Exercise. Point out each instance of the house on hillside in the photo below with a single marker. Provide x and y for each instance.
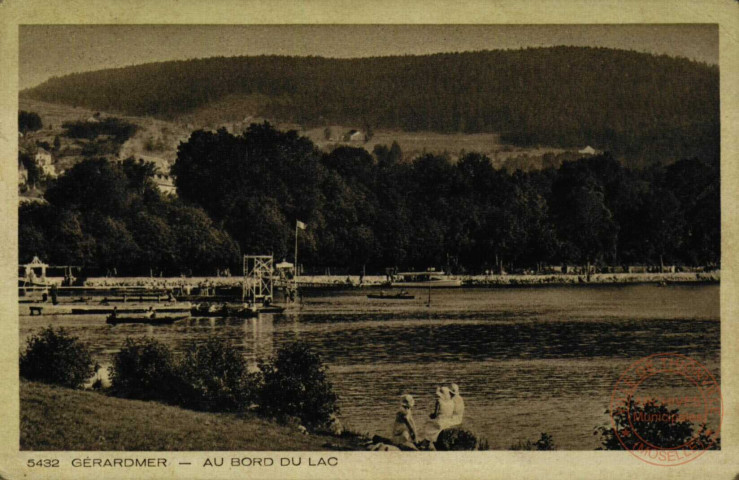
(165, 184)
(45, 162)
(162, 178)
(354, 136)
(588, 151)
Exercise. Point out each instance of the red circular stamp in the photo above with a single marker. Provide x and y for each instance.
(666, 409)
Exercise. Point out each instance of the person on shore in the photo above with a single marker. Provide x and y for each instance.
(441, 417)
(458, 401)
(404, 428)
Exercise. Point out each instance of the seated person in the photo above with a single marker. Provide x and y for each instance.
(458, 412)
(404, 428)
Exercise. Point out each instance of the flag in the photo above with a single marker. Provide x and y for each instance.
(300, 224)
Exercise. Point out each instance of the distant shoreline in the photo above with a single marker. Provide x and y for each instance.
(472, 281)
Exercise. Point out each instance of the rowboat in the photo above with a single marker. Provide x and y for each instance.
(132, 309)
(227, 311)
(391, 296)
(149, 320)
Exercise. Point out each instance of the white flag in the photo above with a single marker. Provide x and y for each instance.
(300, 225)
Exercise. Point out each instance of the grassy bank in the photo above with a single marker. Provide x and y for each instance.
(56, 418)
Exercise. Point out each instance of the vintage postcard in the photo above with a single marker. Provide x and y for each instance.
(381, 240)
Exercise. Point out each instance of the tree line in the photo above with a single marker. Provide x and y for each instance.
(381, 210)
(242, 194)
(111, 218)
(638, 106)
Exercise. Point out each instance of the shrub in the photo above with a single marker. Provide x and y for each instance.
(214, 377)
(294, 383)
(545, 442)
(457, 439)
(54, 356)
(664, 434)
(144, 369)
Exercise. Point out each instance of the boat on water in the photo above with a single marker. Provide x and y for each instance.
(233, 311)
(146, 319)
(180, 308)
(428, 279)
(391, 296)
(271, 309)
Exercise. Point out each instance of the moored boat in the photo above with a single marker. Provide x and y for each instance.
(181, 308)
(391, 296)
(233, 311)
(147, 319)
(424, 280)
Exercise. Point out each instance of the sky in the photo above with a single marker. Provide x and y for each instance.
(55, 50)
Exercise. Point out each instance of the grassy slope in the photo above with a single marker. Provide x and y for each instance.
(55, 418)
(236, 110)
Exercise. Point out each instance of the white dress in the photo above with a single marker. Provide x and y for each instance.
(445, 410)
(458, 412)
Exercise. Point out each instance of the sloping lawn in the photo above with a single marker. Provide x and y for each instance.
(56, 418)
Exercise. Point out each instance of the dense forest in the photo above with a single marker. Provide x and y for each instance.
(111, 218)
(639, 106)
(244, 193)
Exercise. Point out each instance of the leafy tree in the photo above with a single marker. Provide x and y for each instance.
(144, 369)
(139, 174)
(215, 377)
(68, 243)
(199, 244)
(665, 434)
(32, 242)
(54, 356)
(115, 246)
(29, 121)
(91, 185)
(118, 129)
(112, 216)
(583, 221)
(156, 242)
(295, 383)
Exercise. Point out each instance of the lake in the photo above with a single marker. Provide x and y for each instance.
(527, 360)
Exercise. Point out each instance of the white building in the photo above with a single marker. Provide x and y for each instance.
(588, 151)
(45, 162)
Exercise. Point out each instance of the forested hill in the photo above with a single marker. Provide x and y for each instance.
(633, 104)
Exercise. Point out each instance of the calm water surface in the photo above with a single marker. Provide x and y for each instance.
(526, 360)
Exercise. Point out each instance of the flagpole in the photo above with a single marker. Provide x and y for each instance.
(296, 254)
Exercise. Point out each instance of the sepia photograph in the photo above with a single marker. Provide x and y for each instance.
(332, 238)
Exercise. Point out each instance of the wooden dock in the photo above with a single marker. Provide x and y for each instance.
(48, 308)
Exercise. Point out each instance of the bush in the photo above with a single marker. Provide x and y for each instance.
(54, 356)
(214, 377)
(457, 439)
(29, 121)
(664, 434)
(294, 383)
(144, 369)
(545, 442)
